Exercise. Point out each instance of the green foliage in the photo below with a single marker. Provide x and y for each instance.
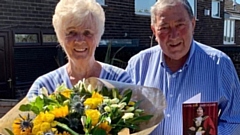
(110, 60)
(9, 131)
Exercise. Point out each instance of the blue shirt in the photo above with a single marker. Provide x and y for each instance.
(207, 71)
(59, 76)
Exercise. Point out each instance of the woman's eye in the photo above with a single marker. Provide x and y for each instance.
(87, 33)
(71, 33)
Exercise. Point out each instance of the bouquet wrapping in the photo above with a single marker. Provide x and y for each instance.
(152, 102)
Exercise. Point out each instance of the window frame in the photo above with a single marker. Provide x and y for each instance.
(39, 34)
(219, 8)
(23, 44)
(229, 25)
(142, 13)
(101, 2)
(194, 9)
(48, 32)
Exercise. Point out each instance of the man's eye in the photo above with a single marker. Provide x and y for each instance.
(180, 25)
(163, 28)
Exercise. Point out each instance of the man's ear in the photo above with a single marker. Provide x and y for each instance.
(193, 24)
(153, 29)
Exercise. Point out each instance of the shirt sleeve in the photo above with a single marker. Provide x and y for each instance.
(229, 118)
(34, 90)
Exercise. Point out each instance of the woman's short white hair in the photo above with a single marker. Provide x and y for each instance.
(161, 4)
(75, 13)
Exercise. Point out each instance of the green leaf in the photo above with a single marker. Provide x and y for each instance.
(127, 94)
(35, 109)
(104, 91)
(139, 119)
(9, 131)
(65, 127)
(25, 107)
(99, 131)
(114, 93)
(137, 104)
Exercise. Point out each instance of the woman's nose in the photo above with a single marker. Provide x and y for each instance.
(79, 38)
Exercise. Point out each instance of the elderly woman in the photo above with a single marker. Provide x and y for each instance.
(79, 25)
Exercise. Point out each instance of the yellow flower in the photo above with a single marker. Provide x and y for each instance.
(94, 115)
(43, 122)
(97, 95)
(66, 93)
(60, 112)
(94, 101)
(105, 126)
(19, 128)
(64, 133)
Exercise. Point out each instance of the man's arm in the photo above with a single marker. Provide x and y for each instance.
(229, 118)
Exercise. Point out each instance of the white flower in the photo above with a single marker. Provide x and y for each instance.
(127, 116)
(107, 109)
(130, 109)
(122, 105)
(114, 101)
(106, 100)
(114, 105)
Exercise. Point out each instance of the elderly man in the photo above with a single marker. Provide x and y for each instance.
(182, 68)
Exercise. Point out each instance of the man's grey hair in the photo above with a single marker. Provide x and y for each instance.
(160, 4)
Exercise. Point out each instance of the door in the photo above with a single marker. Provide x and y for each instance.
(6, 82)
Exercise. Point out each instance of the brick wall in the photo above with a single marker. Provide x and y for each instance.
(121, 19)
(237, 32)
(26, 13)
(209, 30)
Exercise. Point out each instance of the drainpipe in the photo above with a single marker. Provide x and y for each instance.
(234, 4)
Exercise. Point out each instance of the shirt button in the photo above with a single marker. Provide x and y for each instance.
(173, 76)
(171, 95)
(168, 115)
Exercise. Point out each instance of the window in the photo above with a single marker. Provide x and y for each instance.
(101, 2)
(34, 37)
(193, 4)
(26, 38)
(216, 8)
(229, 31)
(142, 7)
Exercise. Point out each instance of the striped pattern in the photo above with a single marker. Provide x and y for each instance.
(59, 76)
(207, 71)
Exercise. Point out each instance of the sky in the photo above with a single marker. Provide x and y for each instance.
(238, 1)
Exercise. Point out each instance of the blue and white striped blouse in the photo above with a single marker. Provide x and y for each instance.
(59, 76)
(207, 71)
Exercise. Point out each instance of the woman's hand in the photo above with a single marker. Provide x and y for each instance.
(192, 128)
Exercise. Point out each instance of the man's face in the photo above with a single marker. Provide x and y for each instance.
(174, 31)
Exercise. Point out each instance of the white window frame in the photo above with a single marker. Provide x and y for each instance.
(194, 7)
(101, 2)
(143, 11)
(219, 8)
(229, 31)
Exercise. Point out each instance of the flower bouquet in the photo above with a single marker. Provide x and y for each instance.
(93, 106)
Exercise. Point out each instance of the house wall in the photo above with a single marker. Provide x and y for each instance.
(237, 32)
(209, 30)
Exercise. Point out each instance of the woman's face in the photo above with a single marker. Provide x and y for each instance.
(80, 43)
(200, 111)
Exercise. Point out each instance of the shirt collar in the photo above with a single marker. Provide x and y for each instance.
(192, 49)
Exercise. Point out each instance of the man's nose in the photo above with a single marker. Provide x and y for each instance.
(174, 33)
